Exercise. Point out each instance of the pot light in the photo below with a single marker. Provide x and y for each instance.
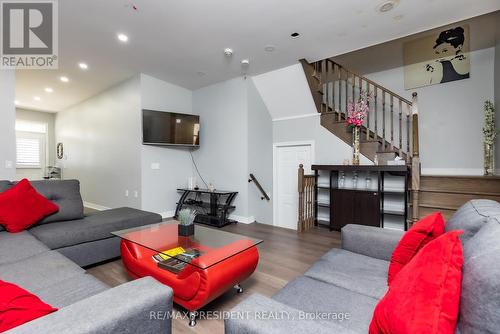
(228, 52)
(64, 79)
(49, 90)
(295, 35)
(122, 38)
(245, 62)
(83, 66)
(269, 48)
(36, 98)
(387, 6)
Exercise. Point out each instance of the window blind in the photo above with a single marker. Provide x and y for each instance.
(28, 152)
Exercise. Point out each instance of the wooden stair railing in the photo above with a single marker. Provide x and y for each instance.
(306, 187)
(391, 127)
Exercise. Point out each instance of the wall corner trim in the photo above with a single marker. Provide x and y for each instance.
(295, 117)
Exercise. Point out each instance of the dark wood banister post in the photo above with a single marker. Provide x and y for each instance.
(300, 182)
(415, 160)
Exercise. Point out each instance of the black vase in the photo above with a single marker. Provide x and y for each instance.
(185, 230)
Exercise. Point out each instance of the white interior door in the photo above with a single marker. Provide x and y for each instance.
(287, 160)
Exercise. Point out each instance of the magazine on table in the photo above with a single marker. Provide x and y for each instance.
(176, 259)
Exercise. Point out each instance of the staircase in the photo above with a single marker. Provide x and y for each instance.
(448, 193)
(389, 130)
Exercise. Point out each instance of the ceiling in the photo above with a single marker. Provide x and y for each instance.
(182, 42)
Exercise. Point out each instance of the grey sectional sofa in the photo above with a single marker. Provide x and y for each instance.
(352, 279)
(47, 259)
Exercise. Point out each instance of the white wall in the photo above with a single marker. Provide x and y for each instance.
(329, 149)
(222, 157)
(102, 146)
(159, 185)
(7, 125)
(260, 155)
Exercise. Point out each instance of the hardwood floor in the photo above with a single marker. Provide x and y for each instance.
(284, 255)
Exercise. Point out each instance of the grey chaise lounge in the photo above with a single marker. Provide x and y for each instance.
(47, 259)
(352, 279)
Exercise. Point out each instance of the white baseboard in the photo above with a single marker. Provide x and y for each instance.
(243, 220)
(452, 171)
(95, 206)
(167, 214)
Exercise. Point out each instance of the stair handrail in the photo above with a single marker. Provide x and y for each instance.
(257, 184)
(356, 74)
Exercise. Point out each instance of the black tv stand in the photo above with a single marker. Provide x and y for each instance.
(212, 206)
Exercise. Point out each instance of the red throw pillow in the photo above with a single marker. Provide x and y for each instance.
(22, 206)
(424, 298)
(18, 306)
(419, 235)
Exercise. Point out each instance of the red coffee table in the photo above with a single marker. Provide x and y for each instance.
(226, 260)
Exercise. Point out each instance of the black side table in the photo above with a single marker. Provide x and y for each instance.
(212, 206)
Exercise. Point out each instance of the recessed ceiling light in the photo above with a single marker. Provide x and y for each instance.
(36, 98)
(295, 35)
(269, 48)
(122, 38)
(83, 66)
(49, 90)
(245, 62)
(387, 6)
(64, 79)
(228, 52)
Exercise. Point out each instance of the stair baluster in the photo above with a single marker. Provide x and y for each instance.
(383, 118)
(400, 107)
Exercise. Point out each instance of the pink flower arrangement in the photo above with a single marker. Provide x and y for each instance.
(356, 112)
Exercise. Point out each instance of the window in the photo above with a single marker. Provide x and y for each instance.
(31, 140)
(28, 152)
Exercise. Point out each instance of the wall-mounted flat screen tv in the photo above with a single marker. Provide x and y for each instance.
(168, 128)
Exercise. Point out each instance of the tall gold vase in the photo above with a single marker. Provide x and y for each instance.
(489, 159)
(355, 145)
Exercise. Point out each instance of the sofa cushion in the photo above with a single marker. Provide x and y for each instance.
(94, 227)
(355, 272)
(18, 246)
(471, 216)
(22, 206)
(18, 306)
(71, 290)
(419, 235)
(4, 185)
(311, 295)
(480, 297)
(64, 193)
(424, 297)
(39, 271)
